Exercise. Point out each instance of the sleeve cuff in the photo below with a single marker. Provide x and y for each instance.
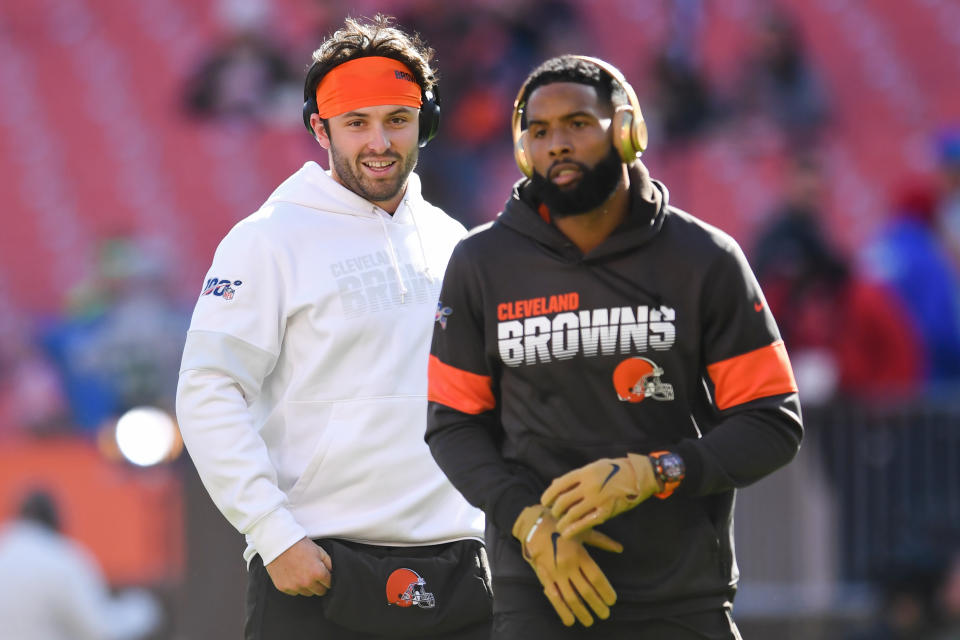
(508, 506)
(275, 533)
(690, 453)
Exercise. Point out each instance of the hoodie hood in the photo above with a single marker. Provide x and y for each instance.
(313, 187)
(648, 205)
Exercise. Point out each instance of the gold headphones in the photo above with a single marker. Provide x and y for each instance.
(629, 129)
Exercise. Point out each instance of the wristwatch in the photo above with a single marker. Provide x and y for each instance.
(669, 470)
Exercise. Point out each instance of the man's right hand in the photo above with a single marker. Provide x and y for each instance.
(302, 570)
(565, 569)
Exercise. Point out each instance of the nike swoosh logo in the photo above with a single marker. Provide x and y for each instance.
(553, 538)
(612, 473)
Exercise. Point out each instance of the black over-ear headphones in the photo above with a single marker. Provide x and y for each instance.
(629, 129)
(429, 109)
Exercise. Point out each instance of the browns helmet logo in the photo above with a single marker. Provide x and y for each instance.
(405, 588)
(638, 378)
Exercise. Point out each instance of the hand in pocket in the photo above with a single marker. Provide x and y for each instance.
(302, 570)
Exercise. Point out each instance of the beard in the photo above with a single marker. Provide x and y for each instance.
(595, 187)
(374, 189)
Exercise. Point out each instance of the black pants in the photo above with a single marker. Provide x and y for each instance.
(274, 615)
(534, 624)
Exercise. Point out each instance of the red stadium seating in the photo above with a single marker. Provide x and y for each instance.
(94, 140)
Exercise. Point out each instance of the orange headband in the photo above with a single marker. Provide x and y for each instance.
(366, 82)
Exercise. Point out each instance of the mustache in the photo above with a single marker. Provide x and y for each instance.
(556, 163)
(392, 155)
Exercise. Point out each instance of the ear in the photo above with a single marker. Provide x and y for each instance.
(319, 131)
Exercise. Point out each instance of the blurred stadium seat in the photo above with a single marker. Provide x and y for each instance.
(93, 140)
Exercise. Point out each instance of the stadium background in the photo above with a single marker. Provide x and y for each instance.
(134, 134)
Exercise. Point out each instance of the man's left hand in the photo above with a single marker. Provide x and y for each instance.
(592, 494)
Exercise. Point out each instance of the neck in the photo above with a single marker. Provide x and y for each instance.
(390, 206)
(588, 230)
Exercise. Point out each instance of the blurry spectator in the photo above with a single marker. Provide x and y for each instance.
(844, 334)
(794, 241)
(247, 77)
(53, 589)
(779, 83)
(909, 257)
(488, 50)
(120, 346)
(919, 588)
(681, 98)
(948, 600)
(32, 401)
(907, 609)
(948, 207)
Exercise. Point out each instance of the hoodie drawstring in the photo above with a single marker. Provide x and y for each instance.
(393, 257)
(423, 252)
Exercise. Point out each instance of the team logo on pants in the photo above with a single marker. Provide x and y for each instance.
(639, 378)
(405, 588)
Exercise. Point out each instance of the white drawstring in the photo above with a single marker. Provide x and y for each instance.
(423, 252)
(393, 256)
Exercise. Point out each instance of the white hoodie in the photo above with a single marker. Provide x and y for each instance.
(302, 394)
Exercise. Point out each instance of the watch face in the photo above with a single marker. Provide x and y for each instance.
(673, 467)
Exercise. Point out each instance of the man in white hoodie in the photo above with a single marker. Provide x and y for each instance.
(302, 393)
(52, 588)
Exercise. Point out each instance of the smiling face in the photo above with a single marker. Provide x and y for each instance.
(372, 151)
(576, 168)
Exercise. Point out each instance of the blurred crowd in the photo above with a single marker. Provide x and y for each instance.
(876, 324)
(115, 346)
(881, 321)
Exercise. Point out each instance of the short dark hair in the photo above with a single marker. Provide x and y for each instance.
(365, 38)
(40, 506)
(570, 68)
(378, 36)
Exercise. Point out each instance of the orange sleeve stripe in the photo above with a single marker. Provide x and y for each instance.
(756, 374)
(458, 389)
